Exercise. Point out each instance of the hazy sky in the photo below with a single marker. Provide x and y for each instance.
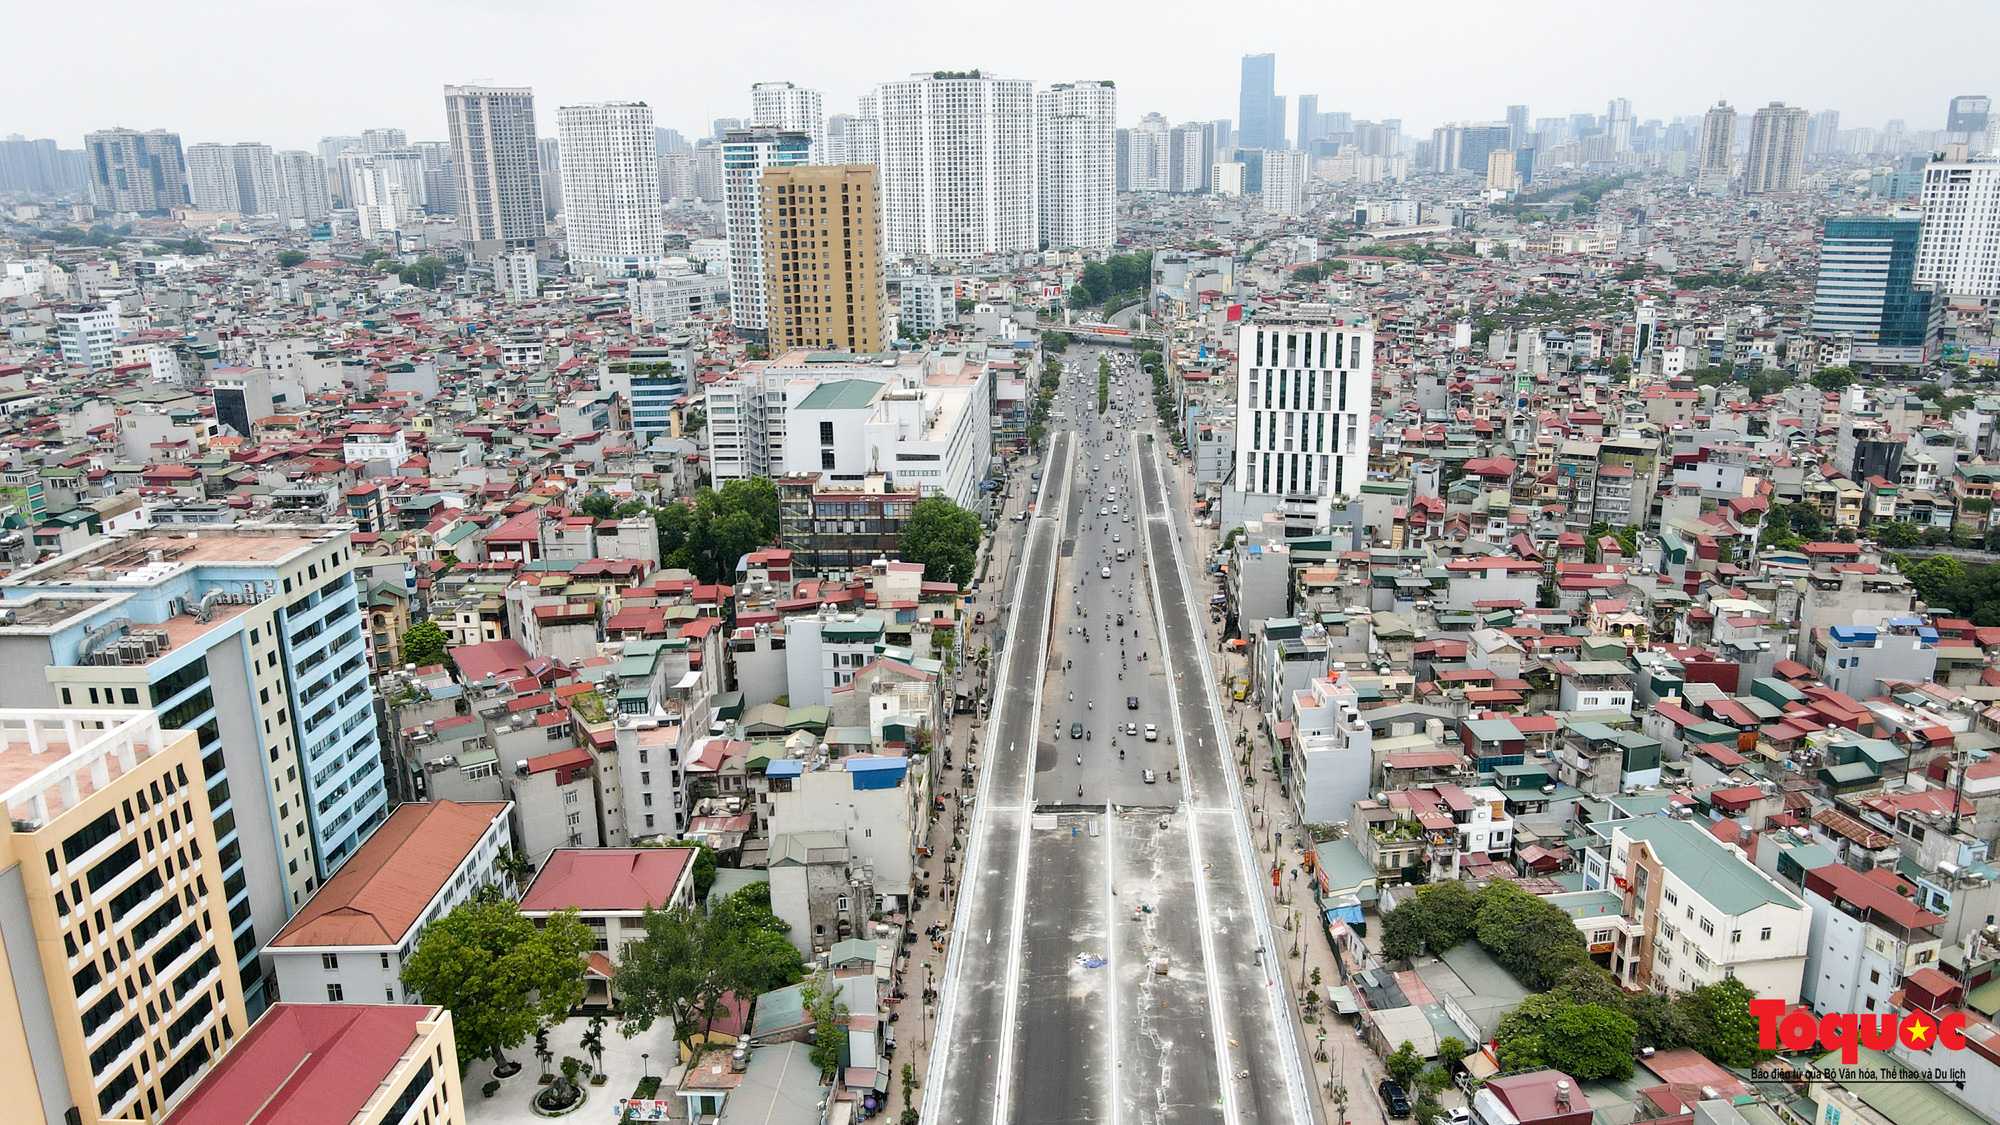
(217, 70)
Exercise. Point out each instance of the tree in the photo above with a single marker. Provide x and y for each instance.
(669, 974)
(1833, 378)
(1452, 1051)
(1589, 1042)
(1663, 1021)
(704, 871)
(424, 273)
(1438, 917)
(944, 537)
(291, 259)
(424, 644)
(501, 975)
(1536, 940)
(821, 1000)
(1405, 1065)
(598, 506)
(1725, 1029)
(1899, 534)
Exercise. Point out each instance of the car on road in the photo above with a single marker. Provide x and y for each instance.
(1104, 572)
(1152, 733)
(1131, 701)
(1147, 776)
(1107, 457)
(1394, 1100)
(1076, 730)
(1103, 511)
(1126, 516)
(1131, 728)
(1115, 539)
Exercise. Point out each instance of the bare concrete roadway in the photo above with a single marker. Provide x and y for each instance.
(1082, 877)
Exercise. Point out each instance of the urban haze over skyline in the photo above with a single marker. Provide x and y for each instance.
(1180, 60)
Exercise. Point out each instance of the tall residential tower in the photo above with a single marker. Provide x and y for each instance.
(1777, 160)
(746, 153)
(823, 284)
(1075, 127)
(957, 154)
(497, 167)
(611, 189)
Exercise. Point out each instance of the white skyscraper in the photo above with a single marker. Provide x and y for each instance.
(1959, 250)
(745, 155)
(958, 165)
(302, 195)
(782, 105)
(241, 178)
(611, 188)
(1284, 189)
(1076, 126)
(1302, 400)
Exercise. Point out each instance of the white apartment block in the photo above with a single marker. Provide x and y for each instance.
(1227, 178)
(302, 195)
(1284, 191)
(796, 109)
(1697, 912)
(745, 155)
(748, 409)
(516, 275)
(1076, 130)
(957, 155)
(1303, 388)
(242, 178)
(1959, 250)
(611, 189)
(938, 439)
(86, 336)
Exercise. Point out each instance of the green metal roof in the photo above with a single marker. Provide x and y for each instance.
(842, 394)
(1703, 862)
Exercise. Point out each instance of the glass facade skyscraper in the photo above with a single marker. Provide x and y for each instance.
(1866, 288)
(1260, 113)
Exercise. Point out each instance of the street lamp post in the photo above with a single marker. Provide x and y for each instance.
(646, 1060)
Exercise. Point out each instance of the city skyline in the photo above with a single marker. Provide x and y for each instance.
(1186, 77)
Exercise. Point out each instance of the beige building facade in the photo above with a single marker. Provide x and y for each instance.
(823, 281)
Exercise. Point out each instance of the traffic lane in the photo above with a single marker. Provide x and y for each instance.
(1062, 1055)
(983, 947)
(1207, 780)
(1166, 1045)
(1243, 974)
(984, 933)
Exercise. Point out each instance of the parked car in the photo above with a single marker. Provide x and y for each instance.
(1393, 1098)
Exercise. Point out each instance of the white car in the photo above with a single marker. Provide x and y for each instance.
(1107, 457)
(1152, 733)
(1114, 537)
(1103, 511)
(1104, 572)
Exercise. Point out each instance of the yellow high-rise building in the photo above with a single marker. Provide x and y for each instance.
(823, 279)
(118, 987)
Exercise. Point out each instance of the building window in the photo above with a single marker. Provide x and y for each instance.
(1766, 935)
(333, 994)
(329, 961)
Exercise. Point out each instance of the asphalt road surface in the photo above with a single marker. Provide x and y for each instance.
(1105, 961)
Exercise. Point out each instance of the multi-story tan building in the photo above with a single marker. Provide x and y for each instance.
(117, 980)
(823, 281)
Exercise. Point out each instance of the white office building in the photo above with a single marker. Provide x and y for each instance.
(1284, 189)
(957, 155)
(86, 336)
(1959, 250)
(1302, 405)
(1076, 127)
(242, 178)
(516, 275)
(796, 109)
(935, 438)
(745, 155)
(302, 195)
(611, 189)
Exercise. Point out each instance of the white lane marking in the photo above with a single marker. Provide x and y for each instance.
(1011, 1007)
(1218, 1034)
(971, 871)
(1112, 1023)
(1291, 1051)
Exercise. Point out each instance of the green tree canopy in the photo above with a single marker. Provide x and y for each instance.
(501, 975)
(944, 537)
(424, 273)
(1834, 378)
(1405, 1065)
(689, 962)
(1725, 1029)
(1536, 940)
(1589, 1042)
(288, 259)
(598, 505)
(424, 644)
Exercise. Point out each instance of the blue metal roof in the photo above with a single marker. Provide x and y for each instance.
(784, 767)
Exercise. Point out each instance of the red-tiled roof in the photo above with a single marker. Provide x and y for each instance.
(304, 1064)
(378, 895)
(608, 878)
